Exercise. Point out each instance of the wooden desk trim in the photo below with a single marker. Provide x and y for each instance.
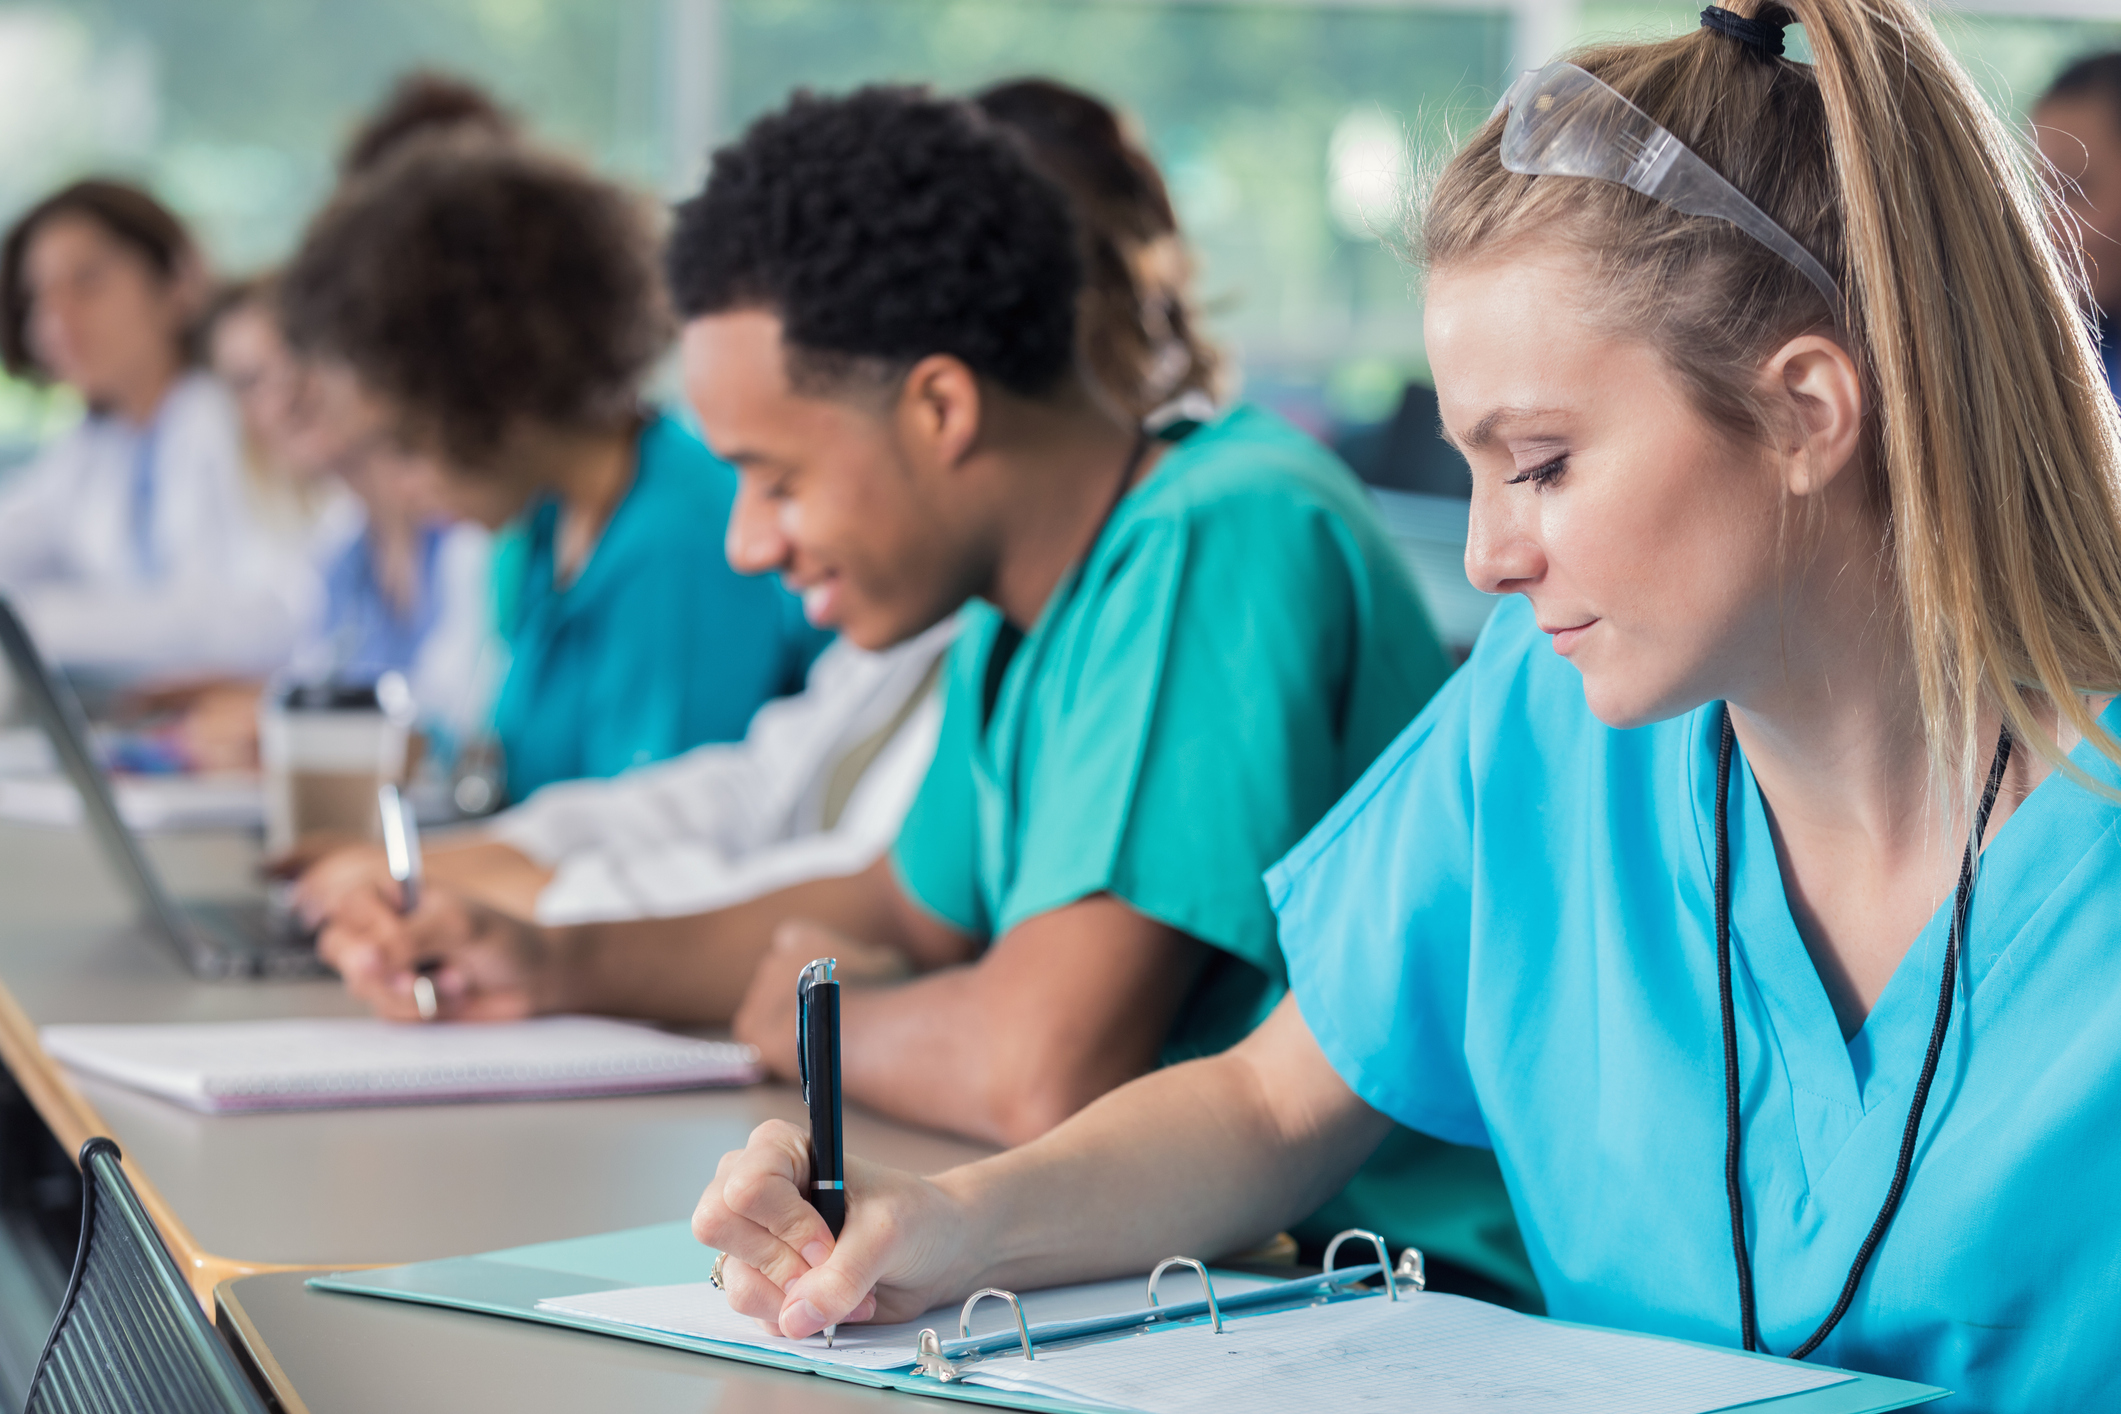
(73, 1122)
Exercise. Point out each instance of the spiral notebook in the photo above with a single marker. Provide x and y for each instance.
(1245, 1345)
(334, 1063)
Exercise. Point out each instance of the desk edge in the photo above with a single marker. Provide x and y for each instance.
(250, 1347)
(73, 1122)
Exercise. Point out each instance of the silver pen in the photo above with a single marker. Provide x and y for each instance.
(401, 853)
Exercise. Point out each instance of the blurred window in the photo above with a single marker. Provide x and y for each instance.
(1289, 130)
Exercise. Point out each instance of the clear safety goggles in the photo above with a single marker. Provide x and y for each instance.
(1565, 122)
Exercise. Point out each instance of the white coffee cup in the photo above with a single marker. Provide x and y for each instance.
(324, 748)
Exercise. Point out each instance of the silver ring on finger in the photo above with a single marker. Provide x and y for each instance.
(714, 1276)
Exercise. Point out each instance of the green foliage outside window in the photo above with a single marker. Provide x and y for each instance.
(1287, 130)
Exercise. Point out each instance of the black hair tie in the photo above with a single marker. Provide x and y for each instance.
(1762, 33)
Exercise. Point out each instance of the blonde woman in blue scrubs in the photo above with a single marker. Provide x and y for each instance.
(1752, 890)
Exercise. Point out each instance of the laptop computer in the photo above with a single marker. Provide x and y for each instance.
(215, 939)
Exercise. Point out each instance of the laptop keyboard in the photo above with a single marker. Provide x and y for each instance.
(249, 937)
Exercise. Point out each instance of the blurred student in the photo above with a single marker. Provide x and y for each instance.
(423, 104)
(295, 502)
(129, 544)
(1178, 650)
(504, 307)
(822, 779)
(396, 589)
(1142, 344)
(2077, 124)
(404, 589)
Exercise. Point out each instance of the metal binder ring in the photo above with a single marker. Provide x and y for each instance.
(964, 1317)
(1215, 1315)
(928, 1359)
(1384, 1262)
(1412, 1270)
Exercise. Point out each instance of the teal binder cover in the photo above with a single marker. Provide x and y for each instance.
(512, 1282)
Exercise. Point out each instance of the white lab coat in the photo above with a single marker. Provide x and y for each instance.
(729, 822)
(218, 597)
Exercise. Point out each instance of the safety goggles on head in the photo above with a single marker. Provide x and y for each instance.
(1564, 122)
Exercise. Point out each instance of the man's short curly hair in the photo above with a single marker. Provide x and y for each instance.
(482, 287)
(882, 227)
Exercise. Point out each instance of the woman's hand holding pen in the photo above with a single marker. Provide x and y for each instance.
(1213, 1155)
(483, 964)
(904, 1248)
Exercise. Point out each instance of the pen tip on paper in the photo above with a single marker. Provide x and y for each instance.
(829, 1332)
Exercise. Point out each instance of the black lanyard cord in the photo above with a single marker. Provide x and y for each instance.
(1748, 1322)
(1732, 1187)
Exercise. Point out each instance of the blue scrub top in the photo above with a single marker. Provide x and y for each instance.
(657, 645)
(1236, 648)
(1505, 934)
(367, 634)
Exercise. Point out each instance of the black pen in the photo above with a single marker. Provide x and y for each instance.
(817, 1053)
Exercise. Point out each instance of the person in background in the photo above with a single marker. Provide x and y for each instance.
(294, 499)
(425, 104)
(1178, 649)
(129, 545)
(503, 307)
(822, 779)
(2077, 124)
(421, 104)
(1142, 343)
(411, 591)
(404, 589)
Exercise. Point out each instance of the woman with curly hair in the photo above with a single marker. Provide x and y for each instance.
(505, 307)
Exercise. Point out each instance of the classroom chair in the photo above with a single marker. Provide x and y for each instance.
(129, 1336)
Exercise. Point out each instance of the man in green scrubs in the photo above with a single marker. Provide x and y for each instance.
(1179, 650)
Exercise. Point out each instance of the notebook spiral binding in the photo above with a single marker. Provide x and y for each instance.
(931, 1360)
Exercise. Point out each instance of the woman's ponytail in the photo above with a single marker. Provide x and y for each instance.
(1994, 444)
(1997, 435)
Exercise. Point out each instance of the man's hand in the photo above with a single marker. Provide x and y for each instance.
(767, 1017)
(902, 1251)
(485, 965)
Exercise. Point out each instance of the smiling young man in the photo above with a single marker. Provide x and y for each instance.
(1178, 651)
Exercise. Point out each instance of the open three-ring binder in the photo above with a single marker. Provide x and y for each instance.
(1248, 1344)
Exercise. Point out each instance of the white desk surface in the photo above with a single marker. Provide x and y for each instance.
(389, 1185)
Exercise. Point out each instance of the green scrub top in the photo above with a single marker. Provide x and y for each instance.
(1238, 645)
(657, 645)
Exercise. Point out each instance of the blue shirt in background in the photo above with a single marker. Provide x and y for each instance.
(1506, 934)
(366, 634)
(657, 645)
